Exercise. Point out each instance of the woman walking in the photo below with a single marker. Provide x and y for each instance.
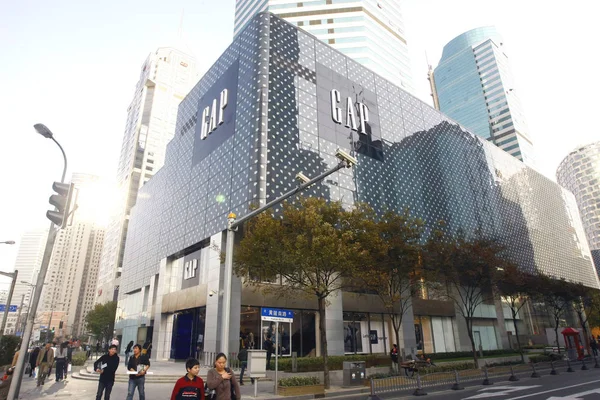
(222, 379)
(127, 351)
(61, 359)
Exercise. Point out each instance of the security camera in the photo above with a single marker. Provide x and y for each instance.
(212, 293)
(342, 155)
(300, 177)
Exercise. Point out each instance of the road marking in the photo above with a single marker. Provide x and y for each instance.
(504, 390)
(576, 396)
(553, 390)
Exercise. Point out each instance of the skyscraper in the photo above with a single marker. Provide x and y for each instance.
(69, 291)
(369, 31)
(579, 172)
(165, 79)
(475, 87)
(28, 262)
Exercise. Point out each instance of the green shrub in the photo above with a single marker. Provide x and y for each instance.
(299, 381)
(448, 367)
(460, 354)
(537, 358)
(79, 358)
(535, 347)
(504, 363)
(313, 364)
(8, 347)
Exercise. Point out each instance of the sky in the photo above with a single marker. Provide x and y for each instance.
(73, 66)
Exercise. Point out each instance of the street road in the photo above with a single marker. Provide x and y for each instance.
(78, 389)
(580, 385)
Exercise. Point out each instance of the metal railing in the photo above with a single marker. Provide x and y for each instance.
(207, 359)
(454, 378)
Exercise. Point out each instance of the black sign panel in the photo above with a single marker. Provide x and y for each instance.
(216, 114)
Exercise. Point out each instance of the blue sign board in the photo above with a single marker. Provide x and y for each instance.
(10, 309)
(276, 314)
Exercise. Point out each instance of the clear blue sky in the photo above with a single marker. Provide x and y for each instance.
(73, 65)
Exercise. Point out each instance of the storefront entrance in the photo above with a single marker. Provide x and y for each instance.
(188, 333)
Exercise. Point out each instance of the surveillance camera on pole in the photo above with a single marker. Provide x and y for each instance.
(62, 202)
(300, 177)
(342, 155)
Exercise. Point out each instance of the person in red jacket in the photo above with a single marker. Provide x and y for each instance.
(189, 386)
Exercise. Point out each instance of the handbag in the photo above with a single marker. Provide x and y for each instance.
(209, 394)
(231, 384)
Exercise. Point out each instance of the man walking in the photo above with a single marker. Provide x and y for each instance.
(45, 360)
(137, 367)
(394, 356)
(106, 366)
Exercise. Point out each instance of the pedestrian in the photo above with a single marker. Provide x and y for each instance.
(268, 346)
(69, 358)
(33, 360)
(147, 348)
(106, 366)
(16, 356)
(243, 357)
(61, 359)
(594, 346)
(5, 384)
(189, 386)
(45, 359)
(222, 379)
(115, 342)
(394, 356)
(138, 364)
(127, 351)
(98, 347)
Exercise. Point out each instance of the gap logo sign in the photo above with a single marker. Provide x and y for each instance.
(215, 118)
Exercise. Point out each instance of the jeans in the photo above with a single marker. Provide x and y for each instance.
(105, 387)
(244, 365)
(139, 383)
(60, 368)
(126, 358)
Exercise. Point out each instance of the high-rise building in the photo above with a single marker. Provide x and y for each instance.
(71, 280)
(28, 262)
(369, 31)
(165, 79)
(579, 172)
(474, 86)
(408, 156)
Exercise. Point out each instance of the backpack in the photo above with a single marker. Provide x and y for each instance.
(209, 394)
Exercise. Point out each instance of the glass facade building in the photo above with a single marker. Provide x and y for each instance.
(368, 31)
(278, 102)
(579, 172)
(475, 87)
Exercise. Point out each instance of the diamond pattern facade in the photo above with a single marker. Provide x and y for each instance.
(409, 156)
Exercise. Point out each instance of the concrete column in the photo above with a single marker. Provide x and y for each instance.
(334, 324)
(160, 348)
(501, 334)
(461, 333)
(212, 331)
(407, 332)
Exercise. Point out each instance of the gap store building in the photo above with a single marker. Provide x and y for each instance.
(279, 102)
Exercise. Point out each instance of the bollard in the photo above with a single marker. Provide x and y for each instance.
(456, 385)
(419, 391)
(583, 366)
(569, 369)
(372, 396)
(553, 371)
(512, 377)
(534, 373)
(486, 379)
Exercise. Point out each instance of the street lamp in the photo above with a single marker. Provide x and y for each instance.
(13, 393)
(346, 161)
(8, 242)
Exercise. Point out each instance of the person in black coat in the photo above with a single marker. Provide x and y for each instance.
(106, 366)
(32, 360)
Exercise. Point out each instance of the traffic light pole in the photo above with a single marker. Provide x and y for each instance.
(8, 300)
(13, 393)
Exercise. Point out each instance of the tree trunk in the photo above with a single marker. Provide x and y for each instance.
(586, 337)
(472, 339)
(323, 334)
(556, 335)
(514, 314)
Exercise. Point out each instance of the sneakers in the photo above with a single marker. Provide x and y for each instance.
(241, 383)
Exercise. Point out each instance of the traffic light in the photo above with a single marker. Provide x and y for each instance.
(62, 202)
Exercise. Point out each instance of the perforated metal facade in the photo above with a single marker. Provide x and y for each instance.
(410, 155)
